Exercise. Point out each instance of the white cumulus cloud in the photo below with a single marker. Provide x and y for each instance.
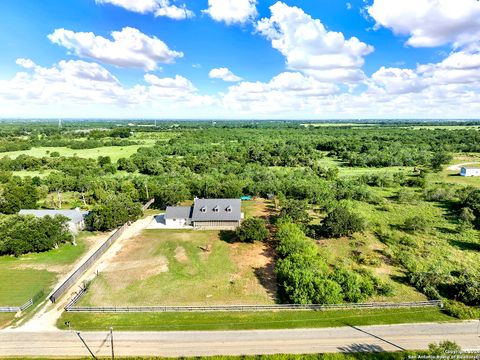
(129, 48)
(430, 23)
(309, 47)
(224, 74)
(232, 11)
(157, 7)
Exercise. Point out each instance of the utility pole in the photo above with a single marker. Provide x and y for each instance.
(111, 342)
(84, 343)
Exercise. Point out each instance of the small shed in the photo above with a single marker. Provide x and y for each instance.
(470, 171)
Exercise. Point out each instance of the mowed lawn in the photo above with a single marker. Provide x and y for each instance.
(23, 277)
(115, 152)
(185, 267)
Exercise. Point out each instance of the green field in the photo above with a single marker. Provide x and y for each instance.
(24, 276)
(184, 267)
(115, 152)
(249, 320)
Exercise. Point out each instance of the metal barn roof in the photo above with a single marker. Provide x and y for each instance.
(76, 215)
(178, 212)
(217, 210)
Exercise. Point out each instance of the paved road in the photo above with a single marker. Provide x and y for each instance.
(196, 343)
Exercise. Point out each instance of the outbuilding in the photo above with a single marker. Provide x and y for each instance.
(469, 171)
(76, 217)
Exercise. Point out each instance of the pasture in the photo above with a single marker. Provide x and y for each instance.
(185, 267)
(114, 152)
(376, 249)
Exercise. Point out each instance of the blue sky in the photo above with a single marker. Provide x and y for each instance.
(298, 59)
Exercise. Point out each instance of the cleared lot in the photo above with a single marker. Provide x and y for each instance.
(185, 267)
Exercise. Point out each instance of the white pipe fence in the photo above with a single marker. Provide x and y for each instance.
(15, 309)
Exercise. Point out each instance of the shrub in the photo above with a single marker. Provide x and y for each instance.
(459, 310)
(252, 229)
(406, 196)
(351, 284)
(467, 287)
(342, 222)
(416, 223)
(448, 349)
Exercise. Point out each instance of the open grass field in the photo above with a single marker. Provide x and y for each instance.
(115, 152)
(249, 320)
(185, 267)
(24, 276)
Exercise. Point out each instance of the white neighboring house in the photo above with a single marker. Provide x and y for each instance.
(76, 216)
(469, 171)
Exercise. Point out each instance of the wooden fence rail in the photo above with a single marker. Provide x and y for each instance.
(236, 308)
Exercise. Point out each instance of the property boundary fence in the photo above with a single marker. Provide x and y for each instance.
(15, 309)
(147, 205)
(57, 293)
(239, 308)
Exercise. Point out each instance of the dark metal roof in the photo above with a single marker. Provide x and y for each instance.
(178, 212)
(217, 210)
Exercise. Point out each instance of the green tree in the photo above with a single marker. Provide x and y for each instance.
(342, 222)
(114, 211)
(438, 159)
(16, 195)
(296, 211)
(252, 229)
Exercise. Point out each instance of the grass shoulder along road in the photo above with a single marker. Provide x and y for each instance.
(334, 356)
(249, 320)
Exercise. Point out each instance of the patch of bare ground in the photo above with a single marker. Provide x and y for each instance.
(256, 268)
(181, 255)
(134, 262)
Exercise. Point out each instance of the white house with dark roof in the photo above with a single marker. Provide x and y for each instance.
(76, 217)
(206, 214)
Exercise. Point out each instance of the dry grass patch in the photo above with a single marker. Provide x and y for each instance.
(185, 267)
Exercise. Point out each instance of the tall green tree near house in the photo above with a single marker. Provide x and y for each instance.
(252, 229)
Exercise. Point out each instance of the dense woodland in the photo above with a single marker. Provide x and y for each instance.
(298, 165)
